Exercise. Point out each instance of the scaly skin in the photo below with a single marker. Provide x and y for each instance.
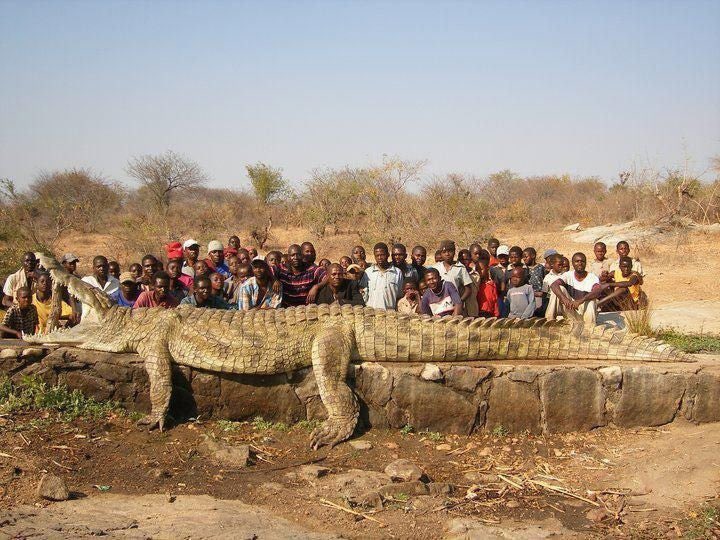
(327, 338)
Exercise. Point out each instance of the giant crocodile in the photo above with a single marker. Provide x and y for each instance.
(326, 337)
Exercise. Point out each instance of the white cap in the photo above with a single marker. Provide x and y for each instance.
(190, 242)
(215, 245)
(503, 250)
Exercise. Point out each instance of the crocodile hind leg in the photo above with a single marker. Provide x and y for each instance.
(158, 367)
(330, 360)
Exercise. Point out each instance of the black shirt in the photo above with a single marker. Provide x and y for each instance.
(349, 293)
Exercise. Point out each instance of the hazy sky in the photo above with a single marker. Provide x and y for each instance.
(537, 87)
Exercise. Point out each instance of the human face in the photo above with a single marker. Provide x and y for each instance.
(514, 258)
(308, 253)
(216, 256)
(557, 265)
(336, 274)
(43, 284)
(432, 281)
(136, 270)
(234, 242)
(216, 280)
(359, 253)
(260, 273)
(148, 266)
(623, 249)
(399, 255)
(483, 270)
(381, 257)
(272, 259)
(475, 253)
(202, 291)
(162, 285)
(345, 261)
(517, 277)
(29, 262)
(325, 263)
(243, 257)
(101, 268)
(201, 269)
(128, 288)
(600, 251)
(70, 266)
(242, 274)
(252, 252)
(528, 258)
(233, 265)
(464, 257)
(447, 255)
(625, 268)
(174, 269)
(296, 258)
(23, 299)
(565, 264)
(192, 252)
(503, 259)
(493, 246)
(579, 262)
(419, 256)
(411, 292)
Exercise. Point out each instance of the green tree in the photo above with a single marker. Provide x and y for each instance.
(267, 182)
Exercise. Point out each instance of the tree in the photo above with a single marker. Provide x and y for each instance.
(267, 182)
(164, 175)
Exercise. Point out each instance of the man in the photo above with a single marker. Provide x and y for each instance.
(338, 289)
(576, 290)
(441, 297)
(69, 262)
(216, 259)
(419, 256)
(201, 296)
(149, 265)
(25, 277)
(101, 279)
(128, 292)
(191, 251)
(22, 316)
(454, 271)
(399, 261)
(159, 295)
(299, 278)
(42, 300)
(384, 287)
(257, 291)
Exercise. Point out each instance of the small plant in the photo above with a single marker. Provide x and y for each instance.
(433, 435)
(500, 431)
(228, 426)
(402, 497)
(407, 429)
(691, 343)
(308, 425)
(638, 320)
(704, 523)
(260, 424)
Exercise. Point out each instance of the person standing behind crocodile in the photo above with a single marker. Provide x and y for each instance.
(410, 302)
(257, 291)
(535, 276)
(453, 271)
(191, 252)
(216, 258)
(159, 295)
(419, 256)
(22, 317)
(201, 296)
(492, 247)
(25, 277)
(359, 257)
(623, 250)
(149, 267)
(441, 297)
(339, 289)
(497, 273)
(128, 292)
(385, 281)
(399, 261)
(234, 242)
(101, 279)
(298, 278)
(520, 296)
(471, 305)
(601, 265)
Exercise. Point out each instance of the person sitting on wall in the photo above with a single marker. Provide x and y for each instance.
(339, 289)
(441, 297)
(575, 290)
(159, 296)
(22, 316)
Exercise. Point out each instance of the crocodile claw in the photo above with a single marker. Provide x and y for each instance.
(152, 421)
(332, 432)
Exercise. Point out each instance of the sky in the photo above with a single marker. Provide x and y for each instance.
(539, 87)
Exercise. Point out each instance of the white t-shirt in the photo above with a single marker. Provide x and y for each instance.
(111, 286)
(457, 274)
(578, 287)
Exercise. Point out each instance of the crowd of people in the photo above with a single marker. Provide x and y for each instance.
(492, 281)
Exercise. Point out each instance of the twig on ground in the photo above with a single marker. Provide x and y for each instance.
(506, 479)
(3, 454)
(61, 465)
(331, 504)
(563, 491)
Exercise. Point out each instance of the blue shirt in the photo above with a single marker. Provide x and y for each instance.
(120, 300)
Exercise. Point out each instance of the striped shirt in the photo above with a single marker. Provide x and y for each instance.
(22, 320)
(296, 286)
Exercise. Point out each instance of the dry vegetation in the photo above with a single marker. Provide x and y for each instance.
(391, 201)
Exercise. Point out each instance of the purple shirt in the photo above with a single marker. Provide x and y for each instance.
(442, 304)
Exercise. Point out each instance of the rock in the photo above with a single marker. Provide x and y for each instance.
(428, 405)
(597, 515)
(707, 398)
(440, 488)
(512, 504)
(485, 452)
(513, 405)
(247, 396)
(404, 488)
(225, 454)
(648, 398)
(573, 400)
(361, 445)
(7, 354)
(33, 352)
(431, 373)
(391, 445)
(369, 499)
(572, 227)
(312, 472)
(480, 478)
(612, 376)
(523, 375)
(95, 387)
(466, 378)
(404, 470)
(374, 384)
(53, 488)
(355, 482)
(443, 447)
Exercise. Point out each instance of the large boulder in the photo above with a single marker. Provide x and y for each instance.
(513, 405)
(573, 400)
(649, 398)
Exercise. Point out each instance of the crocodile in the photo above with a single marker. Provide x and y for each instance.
(326, 337)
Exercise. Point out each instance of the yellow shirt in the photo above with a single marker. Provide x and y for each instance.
(634, 290)
(43, 309)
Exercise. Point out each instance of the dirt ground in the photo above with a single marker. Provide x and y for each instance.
(644, 483)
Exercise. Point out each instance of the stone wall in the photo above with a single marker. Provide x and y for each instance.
(546, 398)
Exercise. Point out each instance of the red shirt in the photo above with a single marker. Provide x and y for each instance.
(147, 299)
(487, 298)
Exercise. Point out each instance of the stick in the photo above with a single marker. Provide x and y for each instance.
(61, 465)
(27, 443)
(331, 504)
(3, 454)
(563, 491)
(281, 467)
(506, 479)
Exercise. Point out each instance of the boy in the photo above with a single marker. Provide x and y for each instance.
(21, 317)
(487, 296)
(536, 274)
(454, 271)
(627, 293)
(441, 297)
(471, 305)
(136, 270)
(556, 270)
(520, 295)
(623, 250)
(42, 300)
(601, 265)
(159, 295)
(497, 273)
(114, 269)
(492, 247)
(410, 302)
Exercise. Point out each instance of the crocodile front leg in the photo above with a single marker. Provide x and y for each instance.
(330, 360)
(158, 366)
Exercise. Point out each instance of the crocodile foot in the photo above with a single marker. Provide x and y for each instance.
(333, 431)
(153, 421)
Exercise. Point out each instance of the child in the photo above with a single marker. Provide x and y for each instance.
(520, 295)
(114, 269)
(601, 265)
(626, 284)
(497, 272)
(441, 297)
(536, 274)
(21, 317)
(345, 262)
(556, 270)
(487, 296)
(623, 250)
(410, 302)
(136, 271)
(216, 284)
(565, 264)
(438, 256)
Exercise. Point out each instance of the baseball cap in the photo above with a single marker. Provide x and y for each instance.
(127, 276)
(354, 268)
(68, 258)
(175, 254)
(190, 242)
(215, 245)
(503, 250)
(549, 252)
